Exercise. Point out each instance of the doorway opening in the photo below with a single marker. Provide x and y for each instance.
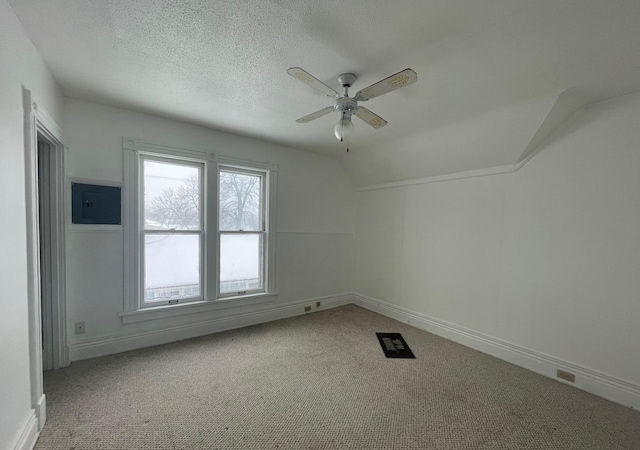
(51, 247)
(45, 225)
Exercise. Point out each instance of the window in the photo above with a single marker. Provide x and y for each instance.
(242, 231)
(172, 230)
(199, 231)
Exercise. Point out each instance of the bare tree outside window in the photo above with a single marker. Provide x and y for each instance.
(177, 208)
(239, 201)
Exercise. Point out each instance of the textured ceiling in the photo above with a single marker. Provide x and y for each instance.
(490, 72)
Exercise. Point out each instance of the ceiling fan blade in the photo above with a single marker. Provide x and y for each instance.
(307, 78)
(400, 79)
(315, 115)
(371, 118)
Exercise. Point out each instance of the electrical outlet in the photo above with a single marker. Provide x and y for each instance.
(566, 376)
(80, 327)
(307, 308)
(317, 304)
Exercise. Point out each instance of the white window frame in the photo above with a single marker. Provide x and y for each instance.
(263, 231)
(134, 308)
(201, 232)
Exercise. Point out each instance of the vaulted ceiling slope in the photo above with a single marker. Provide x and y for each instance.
(494, 76)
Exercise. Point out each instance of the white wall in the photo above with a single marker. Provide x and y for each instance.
(314, 219)
(546, 258)
(20, 65)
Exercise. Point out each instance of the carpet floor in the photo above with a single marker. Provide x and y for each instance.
(321, 381)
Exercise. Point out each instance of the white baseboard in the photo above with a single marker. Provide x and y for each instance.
(603, 385)
(29, 434)
(41, 412)
(92, 348)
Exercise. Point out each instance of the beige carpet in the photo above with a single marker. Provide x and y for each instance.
(321, 381)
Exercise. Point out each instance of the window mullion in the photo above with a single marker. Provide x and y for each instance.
(211, 231)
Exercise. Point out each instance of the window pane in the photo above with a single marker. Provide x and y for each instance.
(171, 266)
(240, 202)
(240, 262)
(171, 196)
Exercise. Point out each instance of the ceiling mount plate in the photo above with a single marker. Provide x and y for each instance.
(347, 79)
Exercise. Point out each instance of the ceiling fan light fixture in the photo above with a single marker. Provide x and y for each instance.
(344, 128)
(348, 106)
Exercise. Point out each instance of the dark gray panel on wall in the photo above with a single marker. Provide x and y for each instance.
(94, 204)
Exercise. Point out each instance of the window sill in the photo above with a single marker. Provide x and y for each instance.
(166, 311)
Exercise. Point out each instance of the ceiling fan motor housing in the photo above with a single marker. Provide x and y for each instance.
(346, 105)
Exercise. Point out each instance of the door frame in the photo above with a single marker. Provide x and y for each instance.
(37, 123)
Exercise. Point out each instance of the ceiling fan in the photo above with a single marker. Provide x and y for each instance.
(348, 106)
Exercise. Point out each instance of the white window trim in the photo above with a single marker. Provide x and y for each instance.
(134, 309)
